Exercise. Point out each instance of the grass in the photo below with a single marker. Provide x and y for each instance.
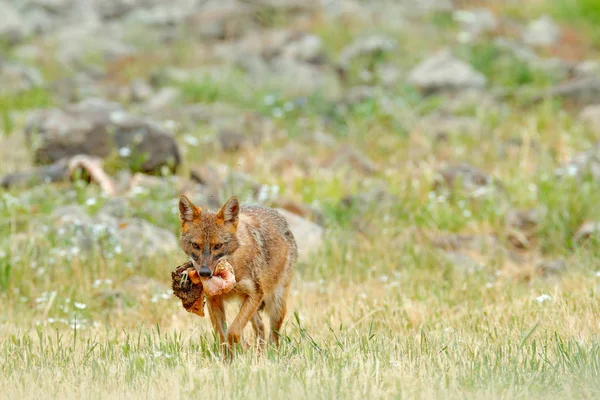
(379, 311)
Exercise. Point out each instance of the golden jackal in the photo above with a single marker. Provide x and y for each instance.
(258, 243)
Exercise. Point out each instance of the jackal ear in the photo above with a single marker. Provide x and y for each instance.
(188, 211)
(229, 212)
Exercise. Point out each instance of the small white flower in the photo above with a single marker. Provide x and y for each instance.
(191, 140)
(542, 298)
(124, 151)
(80, 306)
(90, 202)
(384, 278)
(598, 274)
(269, 100)
(277, 112)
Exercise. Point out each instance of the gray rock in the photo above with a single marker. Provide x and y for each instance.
(580, 92)
(582, 164)
(309, 236)
(138, 236)
(590, 116)
(587, 231)
(475, 22)
(166, 97)
(140, 90)
(347, 156)
(15, 77)
(542, 32)
(71, 215)
(308, 48)
(99, 129)
(56, 172)
(443, 71)
(469, 178)
(224, 19)
(462, 262)
(365, 47)
(12, 29)
(130, 236)
(444, 127)
(587, 68)
(552, 267)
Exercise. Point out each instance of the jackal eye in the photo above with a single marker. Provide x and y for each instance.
(196, 246)
(217, 246)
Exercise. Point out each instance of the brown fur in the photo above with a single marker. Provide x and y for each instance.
(259, 245)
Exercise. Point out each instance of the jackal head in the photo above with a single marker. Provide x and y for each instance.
(207, 237)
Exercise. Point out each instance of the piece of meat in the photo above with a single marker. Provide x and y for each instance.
(190, 294)
(222, 281)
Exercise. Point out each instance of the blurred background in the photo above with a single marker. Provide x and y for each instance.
(427, 154)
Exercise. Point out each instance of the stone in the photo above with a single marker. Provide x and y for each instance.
(309, 236)
(55, 172)
(443, 71)
(12, 28)
(308, 48)
(365, 47)
(16, 77)
(551, 267)
(475, 22)
(580, 92)
(471, 179)
(582, 164)
(587, 231)
(590, 116)
(542, 32)
(140, 237)
(100, 129)
(347, 156)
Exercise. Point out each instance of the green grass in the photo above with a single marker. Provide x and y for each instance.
(378, 311)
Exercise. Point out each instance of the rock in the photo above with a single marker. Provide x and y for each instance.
(100, 129)
(143, 285)
(522, 227)
(16, 77)
(443, 71)
(308, 48)
(217, 177)
(471, 179)
(475, 22)
(590, 116)
(365, 47)
(587, 231)
(232, 141)
(130, 236)
(56, 172)
(388, 74)
(12, 28)
(140, 90)
(587, 68)
(454, 242)
(71, 215)
(300, 209)
(347, 156)
(309, 236)
(376, 197)
(462, 261)
(139, 236)
(580, 92)
(542, 32)
(524, 220)
(444, 127)
(218, 20)
(582, 164)
(551, 267)
(165, 98)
